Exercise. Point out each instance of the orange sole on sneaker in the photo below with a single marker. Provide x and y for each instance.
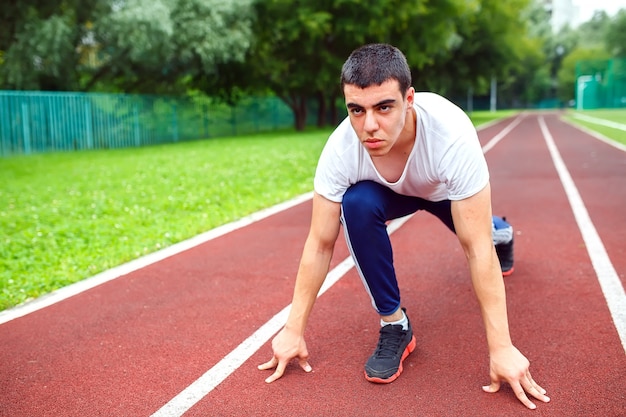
(507, 273)
(409, 348)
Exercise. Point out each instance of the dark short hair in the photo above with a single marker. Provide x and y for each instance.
(373, 64)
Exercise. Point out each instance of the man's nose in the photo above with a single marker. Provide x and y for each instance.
(371, 124)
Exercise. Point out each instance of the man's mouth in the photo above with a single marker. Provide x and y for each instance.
(373, 143)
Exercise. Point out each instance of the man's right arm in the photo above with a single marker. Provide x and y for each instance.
(318, 250)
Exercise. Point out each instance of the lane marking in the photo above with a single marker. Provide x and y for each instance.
(201, 387)
(134, 265)
(607, 276)
(602, 122)
(497, 138)
(596, 135)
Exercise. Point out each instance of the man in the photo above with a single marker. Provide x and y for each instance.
(399, 152)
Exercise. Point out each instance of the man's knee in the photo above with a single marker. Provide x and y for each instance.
(362, 198)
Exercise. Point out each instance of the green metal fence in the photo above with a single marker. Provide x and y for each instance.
(601, 84)
(33, 122)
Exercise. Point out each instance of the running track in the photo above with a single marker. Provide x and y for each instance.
(182, 334)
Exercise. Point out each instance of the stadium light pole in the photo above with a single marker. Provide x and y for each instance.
(581, 84)
(494, 94)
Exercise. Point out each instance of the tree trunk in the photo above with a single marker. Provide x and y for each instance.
(334, 116)
(321, 109)
(299, 110)
(297, 104)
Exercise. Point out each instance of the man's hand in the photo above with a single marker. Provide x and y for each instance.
(287, 345)
(509, 365)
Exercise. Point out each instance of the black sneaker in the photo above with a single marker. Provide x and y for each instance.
(502, 230)
(505, 255)
(394, 345)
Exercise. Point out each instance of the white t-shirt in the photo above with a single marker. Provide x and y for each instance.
(446, 162)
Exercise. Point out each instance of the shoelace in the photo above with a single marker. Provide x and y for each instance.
(390, 340)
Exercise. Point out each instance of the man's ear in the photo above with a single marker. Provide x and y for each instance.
(410, 97)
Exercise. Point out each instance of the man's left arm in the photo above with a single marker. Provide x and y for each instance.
(472, 220)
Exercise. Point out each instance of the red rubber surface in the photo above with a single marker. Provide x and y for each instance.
(127, 347)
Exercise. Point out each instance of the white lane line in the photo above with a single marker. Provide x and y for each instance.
(134, 265)
(596, 135)
(494, 141)
(602, 122)
(607, 276)
(202, 386)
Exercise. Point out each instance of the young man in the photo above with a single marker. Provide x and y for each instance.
(399, 152)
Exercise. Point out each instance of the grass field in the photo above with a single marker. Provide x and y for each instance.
(482, 117)
(613, 115)
(68, 216)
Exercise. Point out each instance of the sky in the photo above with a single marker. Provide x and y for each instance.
(586, 8)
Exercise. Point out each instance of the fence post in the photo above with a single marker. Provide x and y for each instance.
(174, 123)
(205, 118)
(4, 132)
(88, 123)
(26, 128)
(136, 130)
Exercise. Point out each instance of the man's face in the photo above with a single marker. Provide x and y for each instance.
(378, 114)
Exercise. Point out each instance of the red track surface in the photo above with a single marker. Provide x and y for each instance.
(127, 347)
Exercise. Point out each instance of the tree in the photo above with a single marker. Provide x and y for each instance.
(38, 40)
(156, 45)
(122, 45)
(570, 69)
(615, 36)
(592, 34)
(491, 39)
(301, 44)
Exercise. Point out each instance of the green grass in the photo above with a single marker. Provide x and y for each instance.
(482, 117)
(67, 216)
(614, 115)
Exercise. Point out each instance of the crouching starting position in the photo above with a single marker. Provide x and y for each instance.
(399, 152)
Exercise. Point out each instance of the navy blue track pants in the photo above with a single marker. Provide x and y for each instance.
(365, 209)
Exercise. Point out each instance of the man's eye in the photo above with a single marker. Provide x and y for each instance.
(384, 108)
(357, 111)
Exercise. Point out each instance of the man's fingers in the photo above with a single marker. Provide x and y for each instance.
(304, 364)
(521, 395)
(269, 364)
(280, 369)
(495, 384)
(535, 390)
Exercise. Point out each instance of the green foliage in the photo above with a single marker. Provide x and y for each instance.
(568, 72)
(132, 46)
(616, 35)
(450, 44)
(158, 46)
(40, 54)
(592, 34)
(139, 31)
(290, 48)
(208, 32)
(490, 43)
